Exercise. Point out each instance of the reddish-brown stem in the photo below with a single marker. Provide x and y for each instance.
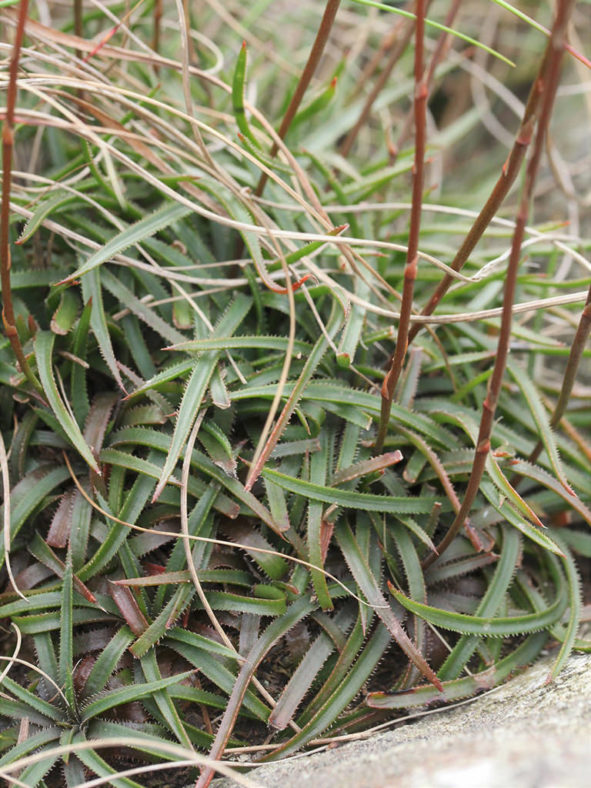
(500, 190)
(547, 89)
(574, 359)
(330, 12)
(8, 317)
(412, 258)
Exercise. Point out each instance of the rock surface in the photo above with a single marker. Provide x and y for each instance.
(526, 734)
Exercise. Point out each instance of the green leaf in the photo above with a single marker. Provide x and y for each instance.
(342, 695)
(121, 695)
(66, 652)
(196, 388)
(163, 621)
(48, 710)
(369, 586)
(200, 642)
(107, 661)
(488, 605)
(44, 209)
(318, 103)
(218, 447)
(65, 315)
(44, 342)
(415, 579)
(507, 490)
(259, 605)
(523, 468)
(349, 499)
(46, 657)
(486, 625)
(232, 576)
(34, 774)
(319, 471)
(328, 392)
(165, 376)
(92, 292)
(98, 765)
(257, 342)
(78, 385)
(135, 233)
(542, 422)
(353, 327)
(538, 535)
(117, 532)
(465, 687)
(273, 565)
(238, 108)
(30, 744)
(575, 604)
(148, 315)
(26, 496)
(151, 671)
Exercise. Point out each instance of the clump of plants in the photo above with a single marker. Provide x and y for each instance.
(295, 416)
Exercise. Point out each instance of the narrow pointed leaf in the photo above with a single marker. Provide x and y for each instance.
(121, 695)
(196, 389)
(269, 637)
(542, 422)
(488, 605)
(370, 588)
(29, 493)
(44, 342)
(162, 699)
(342, 695)
(107, 661)
(485, 625)
(457, 689)
(349, 499)
(93, 294)
(149, 225)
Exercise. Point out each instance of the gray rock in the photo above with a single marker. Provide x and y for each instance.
(526, 734)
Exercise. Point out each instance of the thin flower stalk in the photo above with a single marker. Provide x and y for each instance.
(547, 89)
(8, 316)
(412, 259)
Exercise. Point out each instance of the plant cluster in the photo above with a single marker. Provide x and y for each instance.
(294, 412)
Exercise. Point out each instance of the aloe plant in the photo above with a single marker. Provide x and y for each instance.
(283, 453)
